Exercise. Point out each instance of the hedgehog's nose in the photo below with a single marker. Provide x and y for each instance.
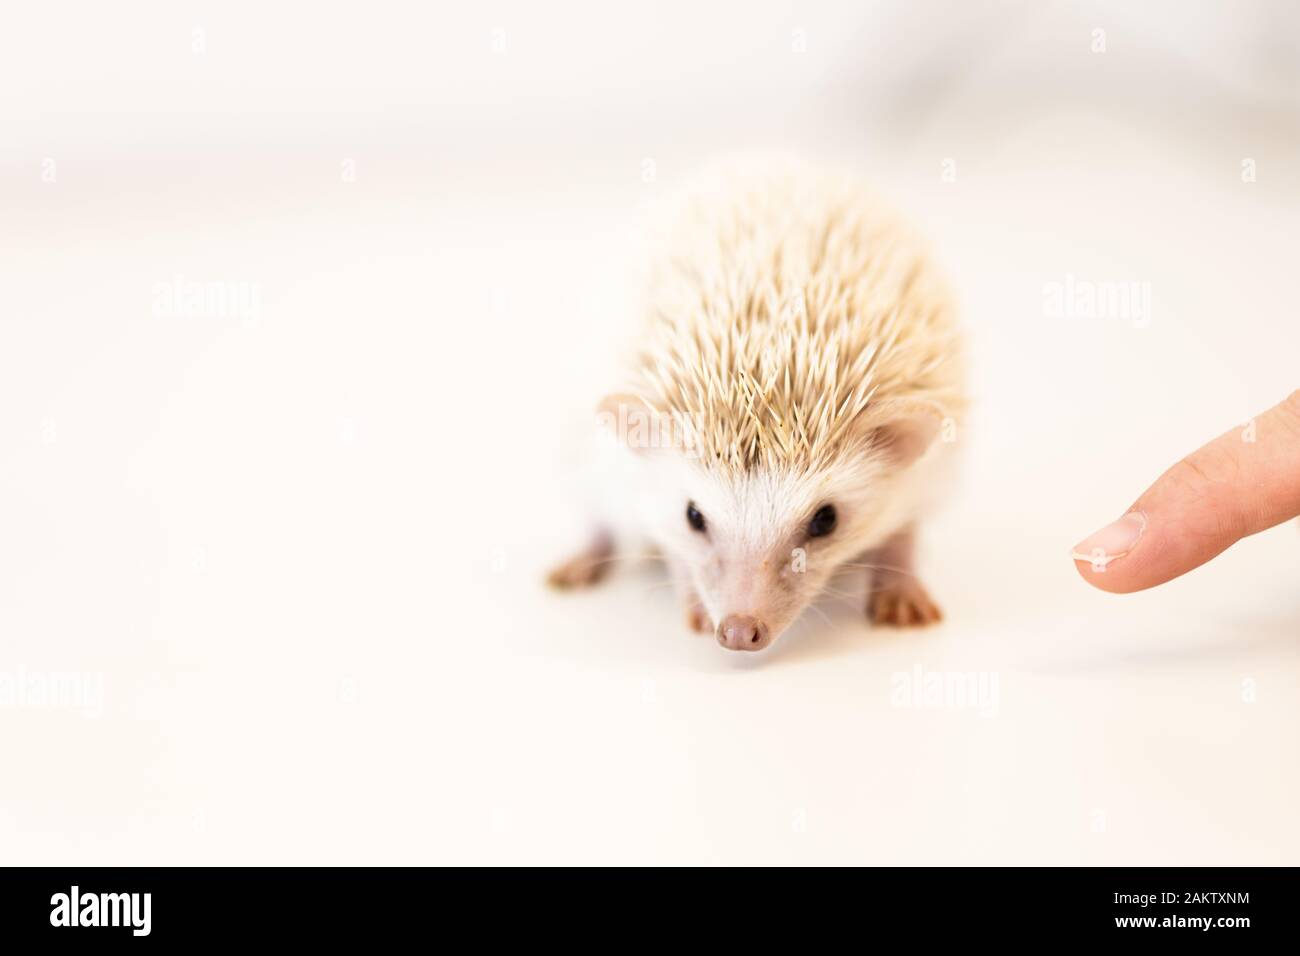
(739, 632)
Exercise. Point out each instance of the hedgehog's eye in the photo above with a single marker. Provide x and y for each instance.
(693, 516)
(823, 522)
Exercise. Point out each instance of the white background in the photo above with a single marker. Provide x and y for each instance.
(301, 553)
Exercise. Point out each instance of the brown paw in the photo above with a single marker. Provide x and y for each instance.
(697, 619)
(902, 604)
(583, 569)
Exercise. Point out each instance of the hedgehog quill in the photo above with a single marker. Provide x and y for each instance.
(789, 411)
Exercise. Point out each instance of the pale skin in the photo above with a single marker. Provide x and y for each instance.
(1245, 481)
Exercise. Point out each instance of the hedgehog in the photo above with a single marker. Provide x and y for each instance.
(789, 411)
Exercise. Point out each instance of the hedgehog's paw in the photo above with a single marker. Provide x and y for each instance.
(585, 568)
(697, 619)
(902, 602)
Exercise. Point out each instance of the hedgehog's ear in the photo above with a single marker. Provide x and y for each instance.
(631, 421)
(905, 429)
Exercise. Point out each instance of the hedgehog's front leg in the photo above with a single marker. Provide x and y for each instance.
(586, 567)
(895, 596)
(697, 618)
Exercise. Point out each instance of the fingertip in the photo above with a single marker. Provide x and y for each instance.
(1105, 558)
(1111, 579)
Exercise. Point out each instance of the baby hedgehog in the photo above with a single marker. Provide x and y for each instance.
(791, 409)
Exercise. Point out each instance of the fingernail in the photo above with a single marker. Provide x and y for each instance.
(1111, 542)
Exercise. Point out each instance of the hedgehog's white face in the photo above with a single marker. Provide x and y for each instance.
(757, 549)
(757, 546)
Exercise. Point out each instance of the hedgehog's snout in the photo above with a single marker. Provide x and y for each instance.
(740, 632)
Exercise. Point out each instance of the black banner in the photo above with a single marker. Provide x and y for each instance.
(1165, 907)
